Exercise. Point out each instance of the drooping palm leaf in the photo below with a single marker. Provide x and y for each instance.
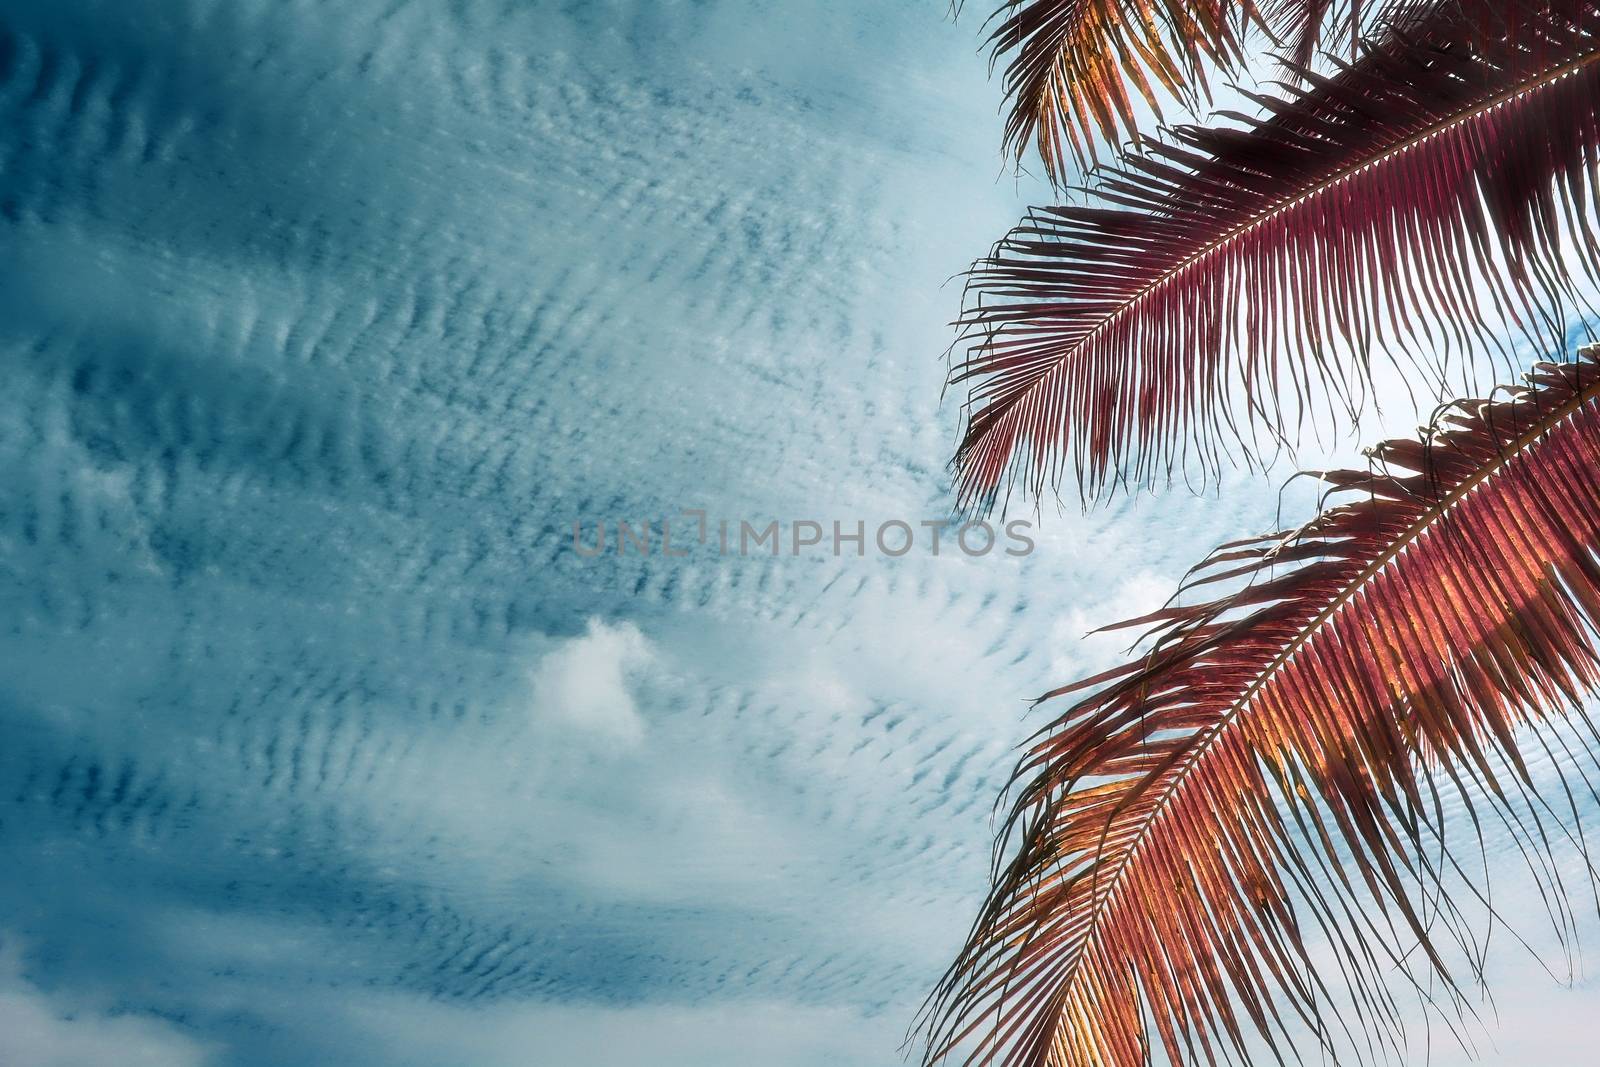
(1280, 753)
(1451, 168)
(1079, 65)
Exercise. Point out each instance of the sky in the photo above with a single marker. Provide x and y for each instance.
(320, 741)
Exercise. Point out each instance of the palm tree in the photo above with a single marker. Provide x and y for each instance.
(1279, 766)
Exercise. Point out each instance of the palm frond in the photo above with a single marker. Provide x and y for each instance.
(1279, 756)
(1305, 24)
(1450, 168)
(1079, 66)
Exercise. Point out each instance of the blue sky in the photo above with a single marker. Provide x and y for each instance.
(322, 324)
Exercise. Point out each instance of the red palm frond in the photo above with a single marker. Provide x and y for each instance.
(1374, 212)
(1279, 755)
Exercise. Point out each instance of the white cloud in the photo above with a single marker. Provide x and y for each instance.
(586, 681)
(37, 1030)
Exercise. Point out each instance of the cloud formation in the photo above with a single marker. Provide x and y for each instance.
(586, 681)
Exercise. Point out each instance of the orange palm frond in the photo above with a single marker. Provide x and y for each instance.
(1079, 66)
(1279, 756)
(1450, 168)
